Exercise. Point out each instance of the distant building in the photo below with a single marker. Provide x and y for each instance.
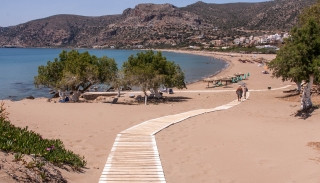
(139, 46)
(242, 40)
(217, 42)
(236, 41)
(267, 47)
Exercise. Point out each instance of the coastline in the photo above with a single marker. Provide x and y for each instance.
(224, 70)
(20, 88)
(260, 137)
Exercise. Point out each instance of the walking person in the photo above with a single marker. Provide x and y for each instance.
(245, 89)
(239, 92)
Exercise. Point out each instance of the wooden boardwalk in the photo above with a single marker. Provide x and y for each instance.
(134, 156)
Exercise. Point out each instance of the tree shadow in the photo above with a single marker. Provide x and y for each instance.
(289, 95)
(305, 114)
(177, 99)
(168, 99)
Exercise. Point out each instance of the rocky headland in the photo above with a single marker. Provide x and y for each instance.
(157, 25)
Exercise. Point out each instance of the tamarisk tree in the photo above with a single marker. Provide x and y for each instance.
(299, 59)
(76, 71)
(149, 70)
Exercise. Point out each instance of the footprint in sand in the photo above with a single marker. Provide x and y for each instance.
(266, 163)
(173, 150)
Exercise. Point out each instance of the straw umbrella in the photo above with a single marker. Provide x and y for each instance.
(226, 79)
(207, 80)
(210, 80)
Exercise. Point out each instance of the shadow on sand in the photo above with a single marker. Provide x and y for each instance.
(166, 100)
(305, 114)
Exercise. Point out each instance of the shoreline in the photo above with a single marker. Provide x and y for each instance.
(259, 137)
(228, 65)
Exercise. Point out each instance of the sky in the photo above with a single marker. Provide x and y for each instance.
(14, 12)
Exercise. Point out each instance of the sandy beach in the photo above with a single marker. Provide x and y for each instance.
(260, 140)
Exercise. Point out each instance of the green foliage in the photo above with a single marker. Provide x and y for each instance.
(312, 12)
(76, 71)
(3, 113)
(23, 141)
(151, 70)
(299, 58)
(18, 156)
(245, 50)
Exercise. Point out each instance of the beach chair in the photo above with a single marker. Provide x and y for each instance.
(218, 84)
(234, 80)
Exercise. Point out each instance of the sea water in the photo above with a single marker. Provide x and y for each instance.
(19, 66)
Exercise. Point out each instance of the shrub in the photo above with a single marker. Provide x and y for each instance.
(21, 140)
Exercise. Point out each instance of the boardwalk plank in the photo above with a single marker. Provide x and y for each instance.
(134, 156)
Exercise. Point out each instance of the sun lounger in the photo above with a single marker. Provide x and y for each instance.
(218, 84)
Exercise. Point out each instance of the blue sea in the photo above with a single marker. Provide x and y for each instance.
(18, 66)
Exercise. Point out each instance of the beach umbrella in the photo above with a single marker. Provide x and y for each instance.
(210, 79)
(214, 79)
(221, 77)
(207, 80)
(229, 78)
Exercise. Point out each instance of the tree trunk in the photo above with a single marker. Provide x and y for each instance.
(145, 99)
(156, 93)
(75, 96)
(306, 102)
(298, 86)
(119, 89)
(86, 88)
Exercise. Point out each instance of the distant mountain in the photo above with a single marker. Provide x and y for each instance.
(154, 25)
(270, 15)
